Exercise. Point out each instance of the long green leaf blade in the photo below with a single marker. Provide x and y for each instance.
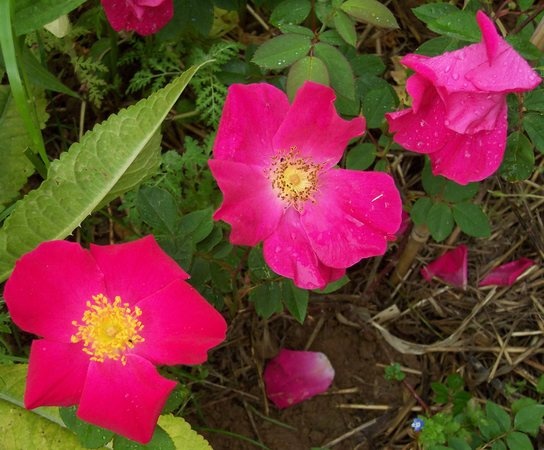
(85, 175)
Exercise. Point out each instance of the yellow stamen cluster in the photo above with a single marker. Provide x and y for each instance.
(294, 178)
(107, 329)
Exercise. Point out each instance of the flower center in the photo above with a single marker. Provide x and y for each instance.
(108, 330)
(294, 179)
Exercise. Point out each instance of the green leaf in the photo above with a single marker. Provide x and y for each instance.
(41, 77)
(420, 210)
(290, 12)
(432, 184)
(522, 402)
(518, 441)
(190, 17)
(529, 419)
(282, 51)
(309, 68)
(333, 286)
(41, 428)
(361, 156)
(370, 11)
(471, 219)
(182, 435)
(296, 29)
(296, 300)
(499, 415)
(524, 47)
(457, 443)
(498, 445)
(368, 65)
(458, 25)
(158, 209)
(339, 69)
(519, 159)
(437, 46)
(428, 13)
(196, 225)
(159, 441)
(440, 221)
(441, 392)
(533, 126)
(221, 278)
(345, 27)
(29, 15)
(89, 435)
(490, 429)
(376, 103)
(84, 175)
(259, 270)
(534, 100)
(267, 299)
(15, 167)
(455, 193)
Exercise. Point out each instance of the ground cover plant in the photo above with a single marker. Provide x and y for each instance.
(271, 224)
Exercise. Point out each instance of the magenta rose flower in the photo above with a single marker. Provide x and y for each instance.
(107, 316)
(458, 113)
(143, 16)
(274, 163)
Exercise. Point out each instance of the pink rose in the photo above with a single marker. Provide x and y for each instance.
(143, 16)
(275, 164)
(106, 317)
(458, 113)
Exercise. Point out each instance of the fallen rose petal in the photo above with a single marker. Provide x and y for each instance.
(507, 274)
(451, 267)
(294, 376)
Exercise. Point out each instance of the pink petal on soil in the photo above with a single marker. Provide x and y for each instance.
(507, 274)
(294, 376)
(451, 267)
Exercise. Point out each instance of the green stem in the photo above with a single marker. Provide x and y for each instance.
(10, 51)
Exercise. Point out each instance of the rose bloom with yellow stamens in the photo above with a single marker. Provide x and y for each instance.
(275, 165)
(107, 316)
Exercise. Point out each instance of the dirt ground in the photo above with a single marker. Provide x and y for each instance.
(357, 355)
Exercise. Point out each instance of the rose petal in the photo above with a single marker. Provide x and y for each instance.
(353, 217)
(140, 16)
(249, 205)
(505, 71)
(251, 116)
(126, 399)
(49, 287)
(467, 112)
(506, 274)
(471, 157)
(288, 253)
(184, 335)
(56, 374)
(451, 267)
(421, 128)
(313, 126)
(136, 269)
(295, 376)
